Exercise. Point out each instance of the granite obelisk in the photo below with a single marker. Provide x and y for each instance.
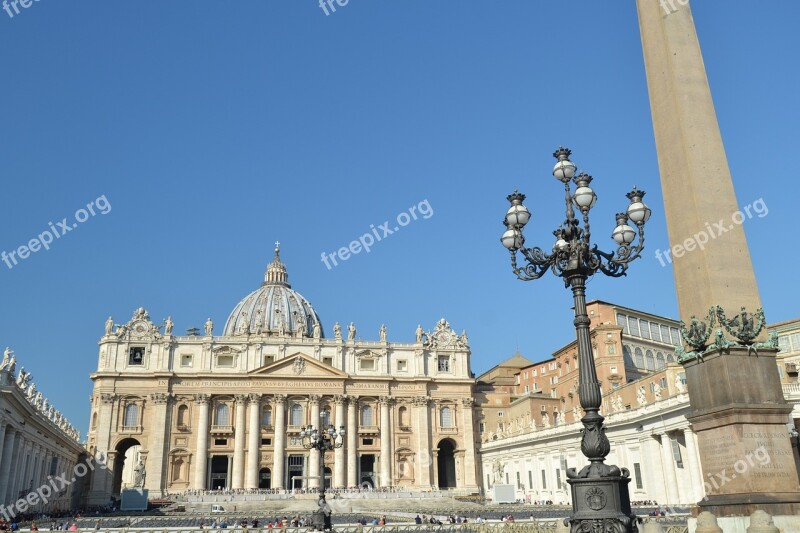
(737, 406)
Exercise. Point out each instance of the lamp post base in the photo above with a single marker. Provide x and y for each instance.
(601, 505)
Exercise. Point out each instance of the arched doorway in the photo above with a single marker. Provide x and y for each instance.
(327, 473)
(265, 478)
(446, 464)
(125, 461)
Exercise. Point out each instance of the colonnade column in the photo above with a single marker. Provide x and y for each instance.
(237, 480)
(339, 457)
(5, 461)
(695, 474)
(313, 457)
(352, 441)
(101, 486)
(669, 469)
(386, 443)
(423, 456)
(254, 442)
(201, 453)
(156, 442)
(278, 465)
(14, 475)
(469, 442)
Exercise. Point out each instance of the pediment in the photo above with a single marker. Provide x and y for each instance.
(299, 365)
(370, 354)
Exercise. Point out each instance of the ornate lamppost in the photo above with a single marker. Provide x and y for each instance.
(600, 500)
(327, 439)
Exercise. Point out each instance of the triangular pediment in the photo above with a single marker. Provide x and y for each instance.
(298, 365)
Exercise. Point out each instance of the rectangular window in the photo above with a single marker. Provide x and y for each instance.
(269, 359)
(665, 335)
(783, 343)
(533, 373)
(544, 480)
(220, 442)
(558, 477)
(633, 324)
(644, 325)
(367, 364)
(488, 481)
(327, 361)
(613, 370)
(506, 478)
(225, 361)
(530, 479)
(444, 364)
(794, 339)
(481, 427)
(622, 320)
(663, 383)
(535, 386)
(676, 452)
(527, 389)
(637, 475)
(53, 466)
(553, 380)
(656, 331)
(500, 414)
(367, 441)
(402, 365)
(266, 442)
(136, 356)
(519, 482)
(186, 360)
(676, 338)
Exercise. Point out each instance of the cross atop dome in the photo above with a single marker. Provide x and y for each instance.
(276, 271)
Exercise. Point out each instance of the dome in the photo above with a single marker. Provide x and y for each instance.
(274, 308)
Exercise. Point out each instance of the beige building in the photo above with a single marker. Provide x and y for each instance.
(207, 411)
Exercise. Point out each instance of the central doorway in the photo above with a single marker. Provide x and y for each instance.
(447, 464)
(219, 472)
(367, 468)
(296, 471)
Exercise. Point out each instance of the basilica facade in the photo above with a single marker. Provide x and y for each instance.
(205, 411)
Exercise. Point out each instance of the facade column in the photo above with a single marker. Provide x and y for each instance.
(103, 478)
(338, 456)
(669, 469)
(692, 463)
(470, 481)
(352, 441)
(254, 442)
(158, 438)
(238, 442)
(6, 461)
(313, 457)
(278, 461)
(201, 453)
(16, 467)
(386, 443)
(423, 456)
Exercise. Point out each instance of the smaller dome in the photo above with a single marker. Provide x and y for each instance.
(274, 308)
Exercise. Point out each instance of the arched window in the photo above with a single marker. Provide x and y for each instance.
(94, 420)
(659, 360)
(325, 417)
(402, 415)
(296, 415)
(639, 358)
(446, 417)
(183, 416)
(266, 416)
(670, 358)
(366, 415)
(222, 415)
(649, 360)
(131, 415)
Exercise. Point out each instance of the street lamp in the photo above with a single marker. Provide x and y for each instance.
(327, 439)
(600, 499)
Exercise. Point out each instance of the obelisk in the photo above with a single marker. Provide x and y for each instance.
(737, 406)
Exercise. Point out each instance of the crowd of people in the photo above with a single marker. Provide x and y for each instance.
(313, 490)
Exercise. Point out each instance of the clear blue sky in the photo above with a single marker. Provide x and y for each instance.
(215, 128)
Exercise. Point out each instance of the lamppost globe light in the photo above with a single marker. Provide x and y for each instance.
(512, 239)
(638, 212)
(565, 169)
(517, 216)
(623, 234)
(584, 196)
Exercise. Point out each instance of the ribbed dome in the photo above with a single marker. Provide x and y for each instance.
(274, 308)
